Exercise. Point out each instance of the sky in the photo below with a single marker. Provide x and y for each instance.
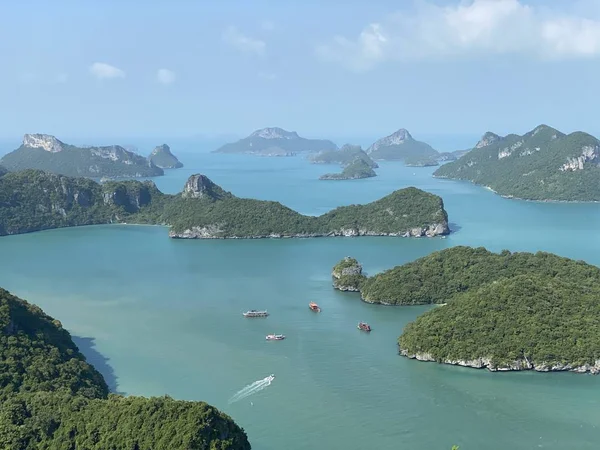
(334, 68)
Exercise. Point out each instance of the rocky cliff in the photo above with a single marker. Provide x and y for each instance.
(347, 275)
(46, 152)
(399, 146)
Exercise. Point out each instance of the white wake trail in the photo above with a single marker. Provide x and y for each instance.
(251, 389)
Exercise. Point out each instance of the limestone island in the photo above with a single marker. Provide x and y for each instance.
(543, 164)
(421, 161)
(276, 142)
(162, 157)
(400, 145)
(52, 398)
(46, 152)
(357, 169)
(501, 311)
(203, 210)
(344, 156)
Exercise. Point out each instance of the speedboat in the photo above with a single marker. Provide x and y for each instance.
(364, 326)
(255, 313)
(270, 378)
(275, 337)
(314, 307)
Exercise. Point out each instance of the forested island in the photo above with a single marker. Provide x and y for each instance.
(355, 170)
(543, 164)
(501, 311)
(344, 156)
(162, 157)
(400, 145)
(46, 152)
(34, 200)
(53, 399)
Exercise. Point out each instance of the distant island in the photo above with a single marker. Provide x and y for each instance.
(276, 142)
(420, 161)
(543, 164)
(46, 152)
(357, 169)
(203, 210)
(399, 146)
(501, 311)
(345, 155)
(162, 157)
(52, 398)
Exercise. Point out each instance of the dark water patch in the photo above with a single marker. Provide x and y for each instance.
(87, 346)
(454, 227)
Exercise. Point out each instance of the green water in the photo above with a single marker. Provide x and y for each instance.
(161, 316)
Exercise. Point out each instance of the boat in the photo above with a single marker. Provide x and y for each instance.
(275, 337)
(256, 313)
(314, 307)
(270, 378)
(364, 326)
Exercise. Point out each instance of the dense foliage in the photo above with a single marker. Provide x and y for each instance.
(357, 169)
(347, 275)
(436, 278)
(53, 399)
(34, 200)
(276, 141)
(543, 164)
(3, 170)
(94, 162)
(534, 320)
(162, 157)
(344, 156)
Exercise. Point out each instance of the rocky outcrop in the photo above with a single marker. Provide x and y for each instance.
(396, 138)
(588, 153)
(275, 133)
(487, 139)
(44, 141)
(517, 365)
(347, 275)
(200, 186)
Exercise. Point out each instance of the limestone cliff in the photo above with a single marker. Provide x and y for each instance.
(162, 157)
(347, 275)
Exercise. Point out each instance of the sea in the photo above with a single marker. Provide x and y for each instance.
(164, 317)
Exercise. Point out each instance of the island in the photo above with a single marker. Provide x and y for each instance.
(357, 169)
(276, 142)
(500, 311)
(400, 145)
(46, 152)
(421, 161)
(543, 164)
(34, 200)
(52, 398)
(162, 157)
(344, 156)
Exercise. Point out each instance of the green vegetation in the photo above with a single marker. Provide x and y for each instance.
(357, 169)
(94, 162)
(276, 142)
(34, 200)
(527, 321)
(53, 399)
(3, 171)
(347, 275)
(344, 156)
(436, 278)
(399, 146)
(162, 157)
(543, 164)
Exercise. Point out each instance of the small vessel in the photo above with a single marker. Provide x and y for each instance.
(314, 307)
(256, 313)
(275, 337)
(270, 378)
(364, 326)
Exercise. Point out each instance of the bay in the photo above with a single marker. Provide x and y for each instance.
(161, 316)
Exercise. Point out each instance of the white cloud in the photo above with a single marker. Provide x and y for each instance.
(468, 29)
(243, 43)
(106, 71)
(165, 76)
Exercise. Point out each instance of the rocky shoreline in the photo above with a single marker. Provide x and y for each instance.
(214, 232)
(517, 365)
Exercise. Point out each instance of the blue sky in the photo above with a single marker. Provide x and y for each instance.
(325, 69)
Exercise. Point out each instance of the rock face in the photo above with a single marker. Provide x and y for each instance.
(162, 157)
(44, 141)
(276, 142)
(543, 164)
(200, 186)
(45, 152)
(399, 146)
(347, 275)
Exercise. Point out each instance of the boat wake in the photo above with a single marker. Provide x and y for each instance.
(252, 389)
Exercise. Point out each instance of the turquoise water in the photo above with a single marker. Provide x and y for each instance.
(162, 316)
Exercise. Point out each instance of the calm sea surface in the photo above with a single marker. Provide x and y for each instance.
(160, 316)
